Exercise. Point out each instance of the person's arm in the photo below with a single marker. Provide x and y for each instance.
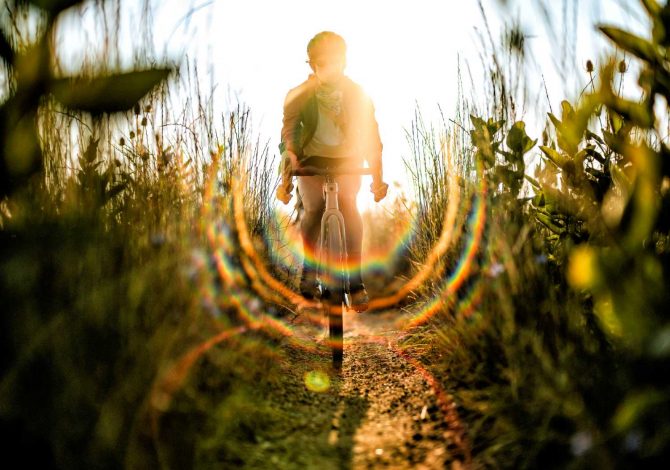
(374, 151)
(289, 160)
(291, 125)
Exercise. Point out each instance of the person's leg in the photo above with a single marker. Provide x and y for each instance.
(310, 188)
(354, 229)
(348, 190)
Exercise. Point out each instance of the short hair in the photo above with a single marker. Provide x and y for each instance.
(326, 43)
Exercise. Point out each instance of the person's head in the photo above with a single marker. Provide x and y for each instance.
(327, 54)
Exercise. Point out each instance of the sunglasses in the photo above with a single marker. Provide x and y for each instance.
(320, 63)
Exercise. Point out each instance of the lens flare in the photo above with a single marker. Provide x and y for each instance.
(163, 390)
(271, 289)
(233, 265)
(317, 381)
(239, 270)
(464, 267)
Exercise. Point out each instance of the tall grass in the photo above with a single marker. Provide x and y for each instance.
(111, 296)
(551, 369)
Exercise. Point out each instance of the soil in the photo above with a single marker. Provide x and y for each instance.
(382, 410)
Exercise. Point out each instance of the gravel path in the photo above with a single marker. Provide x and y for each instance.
(384, 410)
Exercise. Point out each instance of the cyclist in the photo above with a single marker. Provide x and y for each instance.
(329, 121)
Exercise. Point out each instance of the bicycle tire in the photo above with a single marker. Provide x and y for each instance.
(334, 301)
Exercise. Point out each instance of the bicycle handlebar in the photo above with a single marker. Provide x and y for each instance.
(316, 171)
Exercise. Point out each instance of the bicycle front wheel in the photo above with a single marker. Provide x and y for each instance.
(334, 301)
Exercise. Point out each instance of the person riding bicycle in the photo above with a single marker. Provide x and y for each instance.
(329, 122)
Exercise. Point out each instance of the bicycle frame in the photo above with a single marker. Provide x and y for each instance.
(330, 192)
(333, 278)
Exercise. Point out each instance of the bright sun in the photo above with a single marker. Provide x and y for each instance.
(402, 53)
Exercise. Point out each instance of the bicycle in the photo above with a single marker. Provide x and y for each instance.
(332, 276)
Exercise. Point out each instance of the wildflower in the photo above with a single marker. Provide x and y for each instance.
(136, 109)
(122, 141)
(132, 135)
(589, 66)
(147, 108)
(144, 121)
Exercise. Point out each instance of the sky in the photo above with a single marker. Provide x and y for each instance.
(401, 52)
(404, 53)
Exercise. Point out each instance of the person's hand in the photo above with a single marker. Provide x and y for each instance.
(379, 189)
(284, 193)
(289, 163)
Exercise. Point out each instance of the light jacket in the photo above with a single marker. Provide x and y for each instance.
(358, 121)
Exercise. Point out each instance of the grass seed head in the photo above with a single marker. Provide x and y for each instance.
(622, 67)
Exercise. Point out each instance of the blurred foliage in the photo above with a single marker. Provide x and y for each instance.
(107, 282)
(503, 166)
(109, 278)
(33, 77)
(558, 355)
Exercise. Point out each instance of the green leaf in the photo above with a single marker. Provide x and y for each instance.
(91, 151)
(593, 136)
(595, 154)
(579, 159)
(661, 81)
(107, 94)
(613, 142)
(615, 120)
(21, 150)
(6, 51)
(621, 180)
(477, 122)
(555, 157)
(54, 7)
(567, 111)
(637, 113)
(635, 406)
(534, 183)
(557, 123)
(660, 28)
(548, 222)
(637, 46)
(652, 7)
(494, 126)
(646, 203)
(115, 190)
(517, 139)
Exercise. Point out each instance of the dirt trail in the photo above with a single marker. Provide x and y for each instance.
(384, 410)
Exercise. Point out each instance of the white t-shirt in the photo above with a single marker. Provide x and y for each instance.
(328, 140)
